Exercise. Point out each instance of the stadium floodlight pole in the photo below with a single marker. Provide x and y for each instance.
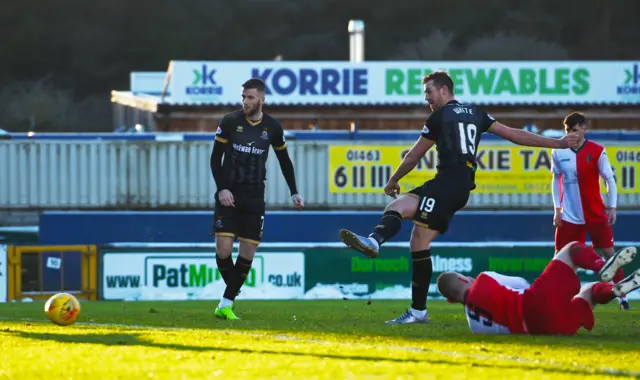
(356, 41)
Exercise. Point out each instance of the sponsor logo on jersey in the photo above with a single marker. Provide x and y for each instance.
(219, 131)
(248, 149)
(425, 129)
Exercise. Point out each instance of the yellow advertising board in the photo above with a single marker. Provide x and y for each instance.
(502, 169)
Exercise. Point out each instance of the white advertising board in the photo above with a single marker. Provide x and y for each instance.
(399, 82)
(163, 275)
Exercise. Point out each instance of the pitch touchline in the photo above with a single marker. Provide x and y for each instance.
(517, 359)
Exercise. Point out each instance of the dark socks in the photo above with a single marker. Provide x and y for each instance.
(237, 278)
(225, 266)
(389, 226)
(422, 271)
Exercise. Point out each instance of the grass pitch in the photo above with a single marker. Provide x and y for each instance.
(301, 339)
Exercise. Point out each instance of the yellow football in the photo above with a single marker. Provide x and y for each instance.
(62, 309)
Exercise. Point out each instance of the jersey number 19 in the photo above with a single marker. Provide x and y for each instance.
(468, 135)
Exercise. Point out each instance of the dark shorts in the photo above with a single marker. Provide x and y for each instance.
(245, 221)
(439, 200)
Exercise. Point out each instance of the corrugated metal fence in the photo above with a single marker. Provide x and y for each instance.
(175, 175)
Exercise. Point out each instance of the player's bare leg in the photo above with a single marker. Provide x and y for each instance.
(597, 293)
(237, 279)
(396, 211)
(586, 293)
(420, 243)
(619, 276)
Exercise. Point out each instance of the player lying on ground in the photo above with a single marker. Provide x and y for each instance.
(244, 138)
(553, 305)
(455, 129)
(577, 197)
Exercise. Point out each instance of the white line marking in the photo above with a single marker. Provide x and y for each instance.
(549, 365)
(489, 244)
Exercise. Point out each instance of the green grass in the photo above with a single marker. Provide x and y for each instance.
(301, 339)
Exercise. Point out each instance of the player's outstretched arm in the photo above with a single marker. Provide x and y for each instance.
(522, 137)
(417, 151)
(409, 162)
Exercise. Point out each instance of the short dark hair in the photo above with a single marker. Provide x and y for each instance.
(440, 78)
(256, 83)
(573, 119)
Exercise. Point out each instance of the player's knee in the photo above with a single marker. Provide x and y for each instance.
(421, 238)
(569, 249)
(405, 206)
(575, 248)
(224, 246)
(394, 205)
(248, 248)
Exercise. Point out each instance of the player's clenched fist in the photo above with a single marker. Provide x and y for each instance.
(392, 189)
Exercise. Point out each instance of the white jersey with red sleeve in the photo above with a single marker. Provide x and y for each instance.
(493, 304)
(576, 183)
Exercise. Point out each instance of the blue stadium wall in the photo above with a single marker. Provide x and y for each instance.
(296, 227)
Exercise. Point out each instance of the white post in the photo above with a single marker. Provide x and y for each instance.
(356, 41)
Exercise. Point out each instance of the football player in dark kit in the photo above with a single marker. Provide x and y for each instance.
(243, 138)
(455, 129)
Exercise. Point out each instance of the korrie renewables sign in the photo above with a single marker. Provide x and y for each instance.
(393, 82)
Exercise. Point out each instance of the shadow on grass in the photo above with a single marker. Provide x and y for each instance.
(615, 331)
(353, 320)
(133, 340)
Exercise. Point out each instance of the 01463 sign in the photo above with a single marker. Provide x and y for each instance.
(194, 275)
(502, 169)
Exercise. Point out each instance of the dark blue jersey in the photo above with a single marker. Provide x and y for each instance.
(456, 129)
(247, 148)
